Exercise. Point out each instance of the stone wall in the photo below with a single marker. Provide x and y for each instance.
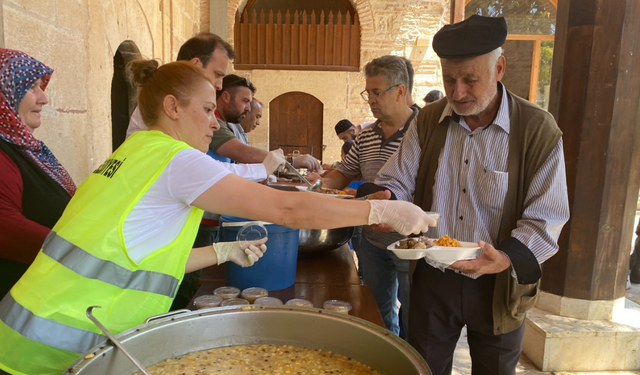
(394, 27)
(78, 39)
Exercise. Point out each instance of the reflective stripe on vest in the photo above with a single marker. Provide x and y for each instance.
(91, 267)
(46, 331)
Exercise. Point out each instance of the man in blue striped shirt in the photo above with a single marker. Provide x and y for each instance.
(492, 165)
(387, 84)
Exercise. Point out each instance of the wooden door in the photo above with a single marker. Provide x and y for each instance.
(295, 119)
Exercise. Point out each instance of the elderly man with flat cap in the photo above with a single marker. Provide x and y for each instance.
(492, 165)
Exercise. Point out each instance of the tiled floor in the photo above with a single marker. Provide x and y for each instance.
(462, 361)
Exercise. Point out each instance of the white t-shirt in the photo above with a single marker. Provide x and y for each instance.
(136, 123)
(159, 216)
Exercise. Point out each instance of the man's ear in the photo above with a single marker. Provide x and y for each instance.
(500, 68)
(170, 107)
(225, 97)
(402, 91)
(196, 61)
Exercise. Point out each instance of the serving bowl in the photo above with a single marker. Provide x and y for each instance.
(319, 240)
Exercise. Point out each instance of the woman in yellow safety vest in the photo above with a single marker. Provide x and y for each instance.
(124, 241)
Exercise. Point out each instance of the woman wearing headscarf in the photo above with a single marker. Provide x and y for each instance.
(34, 187)
(124, 241)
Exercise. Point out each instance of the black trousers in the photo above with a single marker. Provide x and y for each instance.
(442, 303)
(634, 260)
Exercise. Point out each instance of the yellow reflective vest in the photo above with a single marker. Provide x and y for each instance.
(84, 262)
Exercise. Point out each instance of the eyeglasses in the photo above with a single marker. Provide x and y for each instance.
(366, 96)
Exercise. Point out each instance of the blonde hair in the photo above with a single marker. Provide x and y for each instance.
(180, 79)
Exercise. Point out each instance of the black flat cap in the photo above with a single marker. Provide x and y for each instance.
(474, 36)
(343, 126)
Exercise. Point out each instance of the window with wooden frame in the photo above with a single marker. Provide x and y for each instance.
(529, 46)
(297, 35)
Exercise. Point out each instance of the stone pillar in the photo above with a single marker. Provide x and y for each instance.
(595, 97)
(218, 22)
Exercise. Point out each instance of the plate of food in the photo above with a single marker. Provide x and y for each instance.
(332, 193)
(443, 250)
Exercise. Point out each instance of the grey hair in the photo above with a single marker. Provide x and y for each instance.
(392, 67)
(493, 59)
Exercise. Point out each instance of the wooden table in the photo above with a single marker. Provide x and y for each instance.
(319, 277)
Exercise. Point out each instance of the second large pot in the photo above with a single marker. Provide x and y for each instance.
(204, 329)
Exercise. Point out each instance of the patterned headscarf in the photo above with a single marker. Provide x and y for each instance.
(18, 72)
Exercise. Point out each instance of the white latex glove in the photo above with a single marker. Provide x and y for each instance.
(242, 253)
(274, 160)
(307, 161)
(405, 217)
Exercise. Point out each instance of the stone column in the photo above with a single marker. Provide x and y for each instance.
(595, 95)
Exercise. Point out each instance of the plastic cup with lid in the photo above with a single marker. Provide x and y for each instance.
(299, 302)
(253, 293)
(227, 292)
(235, 302)
(342, 307)
(207, 300)
(251, 231)
(267, 301)
(434, 215)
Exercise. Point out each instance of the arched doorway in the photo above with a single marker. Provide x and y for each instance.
(123, 92)
(295, 122)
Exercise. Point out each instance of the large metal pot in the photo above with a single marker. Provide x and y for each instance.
(317, 240)
(312, 328)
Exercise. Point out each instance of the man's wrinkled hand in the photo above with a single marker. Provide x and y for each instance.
(307, 161)
(489, 262)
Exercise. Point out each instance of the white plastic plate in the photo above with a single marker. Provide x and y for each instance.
(443, 254)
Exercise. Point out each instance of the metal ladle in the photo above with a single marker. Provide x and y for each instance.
(311, 187)
(114, 340)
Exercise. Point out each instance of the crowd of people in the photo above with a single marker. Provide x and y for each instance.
(187, 159)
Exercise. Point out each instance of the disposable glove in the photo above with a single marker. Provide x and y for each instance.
(405, 217)
(273, 160)
(242, 253)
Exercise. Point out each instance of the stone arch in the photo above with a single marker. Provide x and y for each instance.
(123, 92)
(362, 7)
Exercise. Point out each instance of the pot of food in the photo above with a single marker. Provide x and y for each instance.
(318, 240)
(273, 326)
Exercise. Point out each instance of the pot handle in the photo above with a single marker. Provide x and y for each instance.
(165, 315)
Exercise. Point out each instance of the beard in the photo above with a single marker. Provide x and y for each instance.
(236, 117)
(474, 105)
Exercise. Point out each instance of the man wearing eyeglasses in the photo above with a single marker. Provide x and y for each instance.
(387, 82)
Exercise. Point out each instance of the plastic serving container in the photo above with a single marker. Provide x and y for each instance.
(342, 307)
(207, 300)
(227, 292)
(253, 293)
(299, 302)
(268, 301)
(235, 302)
